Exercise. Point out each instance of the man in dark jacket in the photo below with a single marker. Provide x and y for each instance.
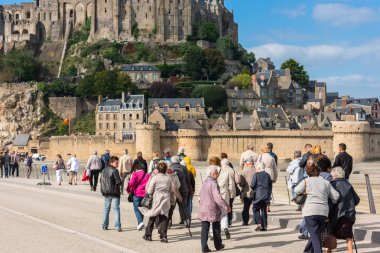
(344, 160)
(7, 164)
(270, 147)
(139, 160)
(184, 179)
(110, 188)
(105, 159)
(305, 157)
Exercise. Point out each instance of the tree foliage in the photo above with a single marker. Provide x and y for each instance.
(194, 62)
(226, 48)
(214, 62)
(299, 74)
(168, 70)
(162, 90)
(207, 31)
(243, 80)
(85, 124)
(215, 97)
(57, 88)
(22, 65)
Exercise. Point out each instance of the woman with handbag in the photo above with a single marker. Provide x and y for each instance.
(343, 214)
(136, 189)
(158, 192)
(59, 166)
(316, 208)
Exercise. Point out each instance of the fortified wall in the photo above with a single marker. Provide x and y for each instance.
(363, 142)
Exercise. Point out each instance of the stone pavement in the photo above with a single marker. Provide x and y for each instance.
(68, 219)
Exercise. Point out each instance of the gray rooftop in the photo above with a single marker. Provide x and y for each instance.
(132, 102)
(191, 123)
(182, 102)
(241, 93)
(21, 140)
(144, 68)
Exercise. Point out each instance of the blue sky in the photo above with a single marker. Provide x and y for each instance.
(337, 41)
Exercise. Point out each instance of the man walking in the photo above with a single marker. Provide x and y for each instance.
(245, 184)
(110, 187)
(124, 168)
(94, 164)
(7, 164)
(15, 160)
(305, 157)
(249, 153)
(28, 164)
(344, 160)
(270, 147)
(73, 165)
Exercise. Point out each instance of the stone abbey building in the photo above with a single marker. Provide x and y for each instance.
(162, 21)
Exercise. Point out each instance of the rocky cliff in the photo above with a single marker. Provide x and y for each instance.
(21, 111)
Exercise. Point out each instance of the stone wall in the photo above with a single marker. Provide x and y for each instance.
(8, 89)
(71, 107)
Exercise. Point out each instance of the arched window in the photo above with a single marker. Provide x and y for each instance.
(17, 16)
(28, 14)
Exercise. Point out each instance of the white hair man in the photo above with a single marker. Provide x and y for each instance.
(248, 171)
(94, 164)
(181, 153)
(246, 154)
(124, 168)
(73, 165)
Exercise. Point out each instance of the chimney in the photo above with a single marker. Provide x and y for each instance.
(123, 96)
(100, 99)
(234, 121)
(228, 118)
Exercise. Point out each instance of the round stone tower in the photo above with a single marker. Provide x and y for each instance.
(191, 140)
(147, 140)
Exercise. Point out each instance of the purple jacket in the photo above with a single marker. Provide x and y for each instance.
(211, 202)
(138, 190)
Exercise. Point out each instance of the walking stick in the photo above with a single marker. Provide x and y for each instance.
(188, 227)
(353, 238)
(286, 180)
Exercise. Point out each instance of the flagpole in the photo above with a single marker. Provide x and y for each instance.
(69, 126)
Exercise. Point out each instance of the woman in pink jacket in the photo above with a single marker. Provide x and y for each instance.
(136, 187)
(210, 209)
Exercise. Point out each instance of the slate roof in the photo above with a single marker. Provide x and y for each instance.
(143, 68)
(244, 123)
(331, 96)
(21, 140)
(173, 101)
(365, 101)
(244, 93)
(299, 112)
(191, 123)
(132, 102)
(321, 85)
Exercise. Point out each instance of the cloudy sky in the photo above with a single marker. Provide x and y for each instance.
(337, 41)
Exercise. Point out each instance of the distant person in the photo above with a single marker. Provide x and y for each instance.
(7, 164)
(153, 163)
(124, 168)
(59, 167)
(269, 163)
(246, 154)
(211, 206)
(73, 167)
(94, 165)
(15, 159)
(175, 195)
(181, 153)
(324, 165)
(139, 160)
(247, 175)
(167, 155)
(1, 164)
(305, 157)
(296, 174)
(344, 160)
(105, 158)
(110, 188)
(270, 147)
(28, 164)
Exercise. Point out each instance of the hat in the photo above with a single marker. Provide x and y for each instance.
(249, 160)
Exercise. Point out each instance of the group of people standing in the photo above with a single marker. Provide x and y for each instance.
(9, 164)
(330, 198)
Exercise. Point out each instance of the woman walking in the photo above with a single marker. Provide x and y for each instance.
(316, 207)
(210, 209)
(136, 188)
(59, 166)
(343, 214)
(160, 186)
(262, 185)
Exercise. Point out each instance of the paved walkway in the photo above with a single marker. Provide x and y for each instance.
(68, 219)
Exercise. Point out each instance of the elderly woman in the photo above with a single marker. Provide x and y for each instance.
(262, 185)
(342, 214)
(316, 207)
(160, 186)
(175, 194)
(210, 209)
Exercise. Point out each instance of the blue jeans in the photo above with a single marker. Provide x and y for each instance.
(136, 203)
(314, 224)
(7, 169)
(260, 214)
(107, 207)
(303, 228)
(190, 204)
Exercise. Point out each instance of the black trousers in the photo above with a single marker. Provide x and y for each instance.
(171, 211)
(184, 211)
(260, 214)
(162, 226)
(94, 179)
(216, 230)
(15, 168)
(230, 213)
(245, 213)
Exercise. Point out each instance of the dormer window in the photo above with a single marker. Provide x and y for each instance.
(176, 108)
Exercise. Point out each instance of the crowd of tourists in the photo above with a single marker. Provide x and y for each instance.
(155, 188)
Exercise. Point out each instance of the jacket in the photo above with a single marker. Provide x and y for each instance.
(141, 161)
(190, 167)
(60, 164)
(270, 165)
(94, 163)
(226, 185)
(183, 177)
(137, 176)
(211, 202)
(348, 199)
(262, 185)
(153, 164)
(245, 155)
(344, 160)
(110, 182)
(73, 164)
(246, 179)
(274, 156)
(125, 163)
(304, 159)
(174, 195)
(295, 171)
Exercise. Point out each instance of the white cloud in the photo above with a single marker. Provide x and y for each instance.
(338, 14)
(299, 11)
(350, 80)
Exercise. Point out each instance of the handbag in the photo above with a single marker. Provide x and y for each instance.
(147, 201)
(328, 238)
(130, 196)
(300, 198)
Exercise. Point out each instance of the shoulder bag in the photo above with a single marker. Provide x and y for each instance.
(147, 201)
(300, 198)
(130, 197)
(327, 237)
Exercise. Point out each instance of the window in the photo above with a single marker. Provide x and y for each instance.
(124, 116)
(233, 103)
(107, 117)
(100, 125)
(130, 125)
(124, 125)
(100, 116)
(130, 116)
(115, 116)
(108, 126)
(187, 108)
(137, 116)
(176, 108)
(114, 126)
(166, 108)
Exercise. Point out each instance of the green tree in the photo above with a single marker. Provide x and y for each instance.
(85, 87)
(243, 80)
(104, 83)
(22, 65)
(207, 31)
(135, 31)
(124, 84)
(162, 90)
(226, 47)
(214, 64)
(215, 97)
(194, 62)
(85, 124)
(299, 74)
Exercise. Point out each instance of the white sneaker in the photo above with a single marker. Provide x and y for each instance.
(140, 226)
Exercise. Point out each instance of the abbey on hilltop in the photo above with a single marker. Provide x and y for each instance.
(162, 21)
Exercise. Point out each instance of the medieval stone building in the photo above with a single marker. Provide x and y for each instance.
(162, 21)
